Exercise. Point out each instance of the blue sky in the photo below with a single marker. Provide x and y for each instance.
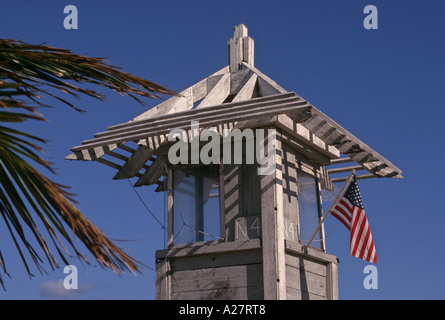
(386, 86)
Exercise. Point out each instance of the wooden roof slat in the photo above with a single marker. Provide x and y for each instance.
(353, 147)
(217, 117)
(192, 113)
(135, 163)
(126, 148)
(152, 174)
(92, 153)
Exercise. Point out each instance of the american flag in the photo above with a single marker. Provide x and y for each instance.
(349, 210)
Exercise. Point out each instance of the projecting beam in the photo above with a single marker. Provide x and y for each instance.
(247, 90)
(266, 85)
(218, 94)
(134, 163)
(341, 160)
(152, 174)
(345, 169)
(361, 177)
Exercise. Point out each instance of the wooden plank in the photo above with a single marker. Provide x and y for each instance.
(247, 90)
(162, 280)
(234, 114)
(359, 177)
(216, 278)
(170, 213)
(126, 148)
(193, 113)
(301, 279)
(240, 31)
(341, 160)
(251, 195)
(117, 156)
(109, 163)
(309, 265)
(305, 150)
(266, 85)
(217, 260)
(351, 145)
(310, 253)
(240, 293)
(332, 281)
(218, 94)
(303, 134)
(290, 201)
(345, 169)
(235, 54)
(135, 163)
(295, 294)
(320, 212)
(208, 248)
(238, 80)
(272, 218)
(248, 50)
(325, 179)
(236, 48)
(247, 228)
(184, 100)
(256, 122)
(377, 167)
(154, 172)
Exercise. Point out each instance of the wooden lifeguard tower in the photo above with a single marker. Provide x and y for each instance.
(234, 233)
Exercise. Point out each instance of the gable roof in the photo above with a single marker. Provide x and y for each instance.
(232, 97)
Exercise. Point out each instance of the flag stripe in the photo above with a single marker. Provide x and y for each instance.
(365, 245)
(343, 212)
(357, 231)
(349, 211)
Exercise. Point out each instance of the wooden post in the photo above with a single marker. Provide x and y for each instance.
(272, 220)
(241, 48)
(170, 202)
(163, 283)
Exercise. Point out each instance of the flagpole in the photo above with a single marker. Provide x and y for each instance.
(333, 204)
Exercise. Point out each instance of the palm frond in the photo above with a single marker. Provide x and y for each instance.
(28, 199)
(32, 66)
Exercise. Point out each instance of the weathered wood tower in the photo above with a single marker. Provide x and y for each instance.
(234, 233)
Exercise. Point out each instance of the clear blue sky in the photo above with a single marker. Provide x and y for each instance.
(386, 86)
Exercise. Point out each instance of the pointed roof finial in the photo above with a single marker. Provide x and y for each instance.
(241, 48)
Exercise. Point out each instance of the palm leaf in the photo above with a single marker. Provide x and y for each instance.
(30, 201)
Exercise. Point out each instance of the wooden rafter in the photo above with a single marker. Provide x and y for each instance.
(134, 163)
(218, 94)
